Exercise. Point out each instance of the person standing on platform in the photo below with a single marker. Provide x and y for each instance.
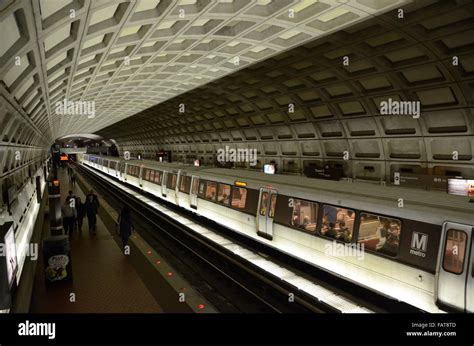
(69, 216)
(125, 225)
(81, 213)
(91, 207)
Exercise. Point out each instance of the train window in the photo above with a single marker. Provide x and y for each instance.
(202, 188)
(151, 175)
(223, 196)
(182, 183)
(211, 190)
(338, 223)
(195, 187)
(147, 175)
(174, 178)
(264, 203)
(239, 197)
(272, 206)
(185, 184)
(454, 251)
(158, 175)
(171, 184)
(379, 233)
(305, 215)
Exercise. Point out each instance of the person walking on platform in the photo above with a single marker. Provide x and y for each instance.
(125, 225)
(69, 216)
(91, 206)
(73, 178)
(94, 196)
(81, 213)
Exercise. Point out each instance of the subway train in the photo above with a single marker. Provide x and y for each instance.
(411, 245)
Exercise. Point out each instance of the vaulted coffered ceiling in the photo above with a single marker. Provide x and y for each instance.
(427, 57)
(126, 56)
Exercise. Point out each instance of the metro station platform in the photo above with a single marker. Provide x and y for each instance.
(104, 279)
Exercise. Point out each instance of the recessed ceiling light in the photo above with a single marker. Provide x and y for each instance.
(200, 22)
(149, 44)
(302, 5)
(166, 24)
(258, 49)
(186, 2)
(289, 34)
(146, 5)
(130, 30)
(328, 16)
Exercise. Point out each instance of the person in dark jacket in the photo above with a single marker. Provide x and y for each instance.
(70, 195)
(73, 178)
(90, 207)
(69, 216)
(125, 225)
(81, 213)
(94, 196)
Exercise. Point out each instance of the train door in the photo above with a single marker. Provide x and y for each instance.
(455, 273)
(140, 179)
(164, 181)
(193, 193)
(179, 176)
(125, 171)
(122, 170)
(266, 212)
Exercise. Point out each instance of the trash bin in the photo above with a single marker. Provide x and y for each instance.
(57, 259)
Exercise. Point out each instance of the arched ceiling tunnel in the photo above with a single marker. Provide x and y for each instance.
(236, 66)
(336, 107)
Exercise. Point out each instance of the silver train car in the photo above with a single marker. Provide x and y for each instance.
(412, 245)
